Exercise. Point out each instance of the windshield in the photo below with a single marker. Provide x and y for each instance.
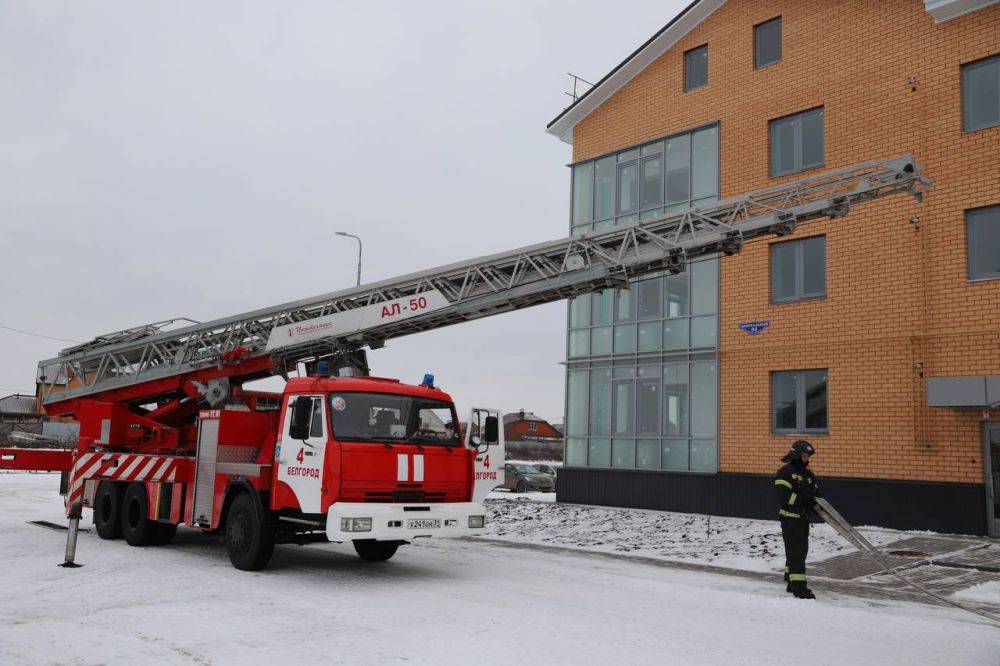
(528, 469)
(382, 417)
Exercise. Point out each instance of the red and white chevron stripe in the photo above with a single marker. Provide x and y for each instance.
(118, 467)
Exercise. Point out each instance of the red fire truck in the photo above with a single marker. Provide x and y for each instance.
(169, 435)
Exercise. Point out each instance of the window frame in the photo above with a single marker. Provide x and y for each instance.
(687, 59)
(964, 69)
(800, 404)
(799, 167)
(799, 268)
(781, 43)
(985, 277)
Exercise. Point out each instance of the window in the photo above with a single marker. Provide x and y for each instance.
(983, 236)
(696, 68)
(532, 426)
(798, 269)
(799, 401)
(767, 43)
(797, 142)
(383, 417)
(981, 94)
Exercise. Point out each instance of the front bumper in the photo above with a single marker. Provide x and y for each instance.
(392, 522)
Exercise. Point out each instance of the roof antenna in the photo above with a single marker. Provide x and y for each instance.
(576, 81)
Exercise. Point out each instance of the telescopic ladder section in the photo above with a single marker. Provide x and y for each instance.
(371, 314)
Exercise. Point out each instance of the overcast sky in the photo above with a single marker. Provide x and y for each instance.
(194, 159)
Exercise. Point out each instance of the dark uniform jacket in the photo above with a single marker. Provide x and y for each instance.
(797, 490)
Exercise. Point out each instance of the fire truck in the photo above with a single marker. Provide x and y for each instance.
(170, 436)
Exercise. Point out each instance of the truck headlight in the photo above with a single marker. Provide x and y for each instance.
(477, 521)
(355, 524)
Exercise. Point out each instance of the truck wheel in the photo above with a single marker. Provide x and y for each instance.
(137, 529)
(249, 542)
(107, 510)
(375, 551)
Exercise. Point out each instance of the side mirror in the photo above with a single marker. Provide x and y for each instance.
(491, 430)
(301, 417)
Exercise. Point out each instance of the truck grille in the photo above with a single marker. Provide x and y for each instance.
(404, 496)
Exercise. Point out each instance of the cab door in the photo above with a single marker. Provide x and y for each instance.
(300, 449)
(484, 435)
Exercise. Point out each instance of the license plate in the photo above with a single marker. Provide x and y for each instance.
(423, 523)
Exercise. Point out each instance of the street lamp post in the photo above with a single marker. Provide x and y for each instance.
(341, 233)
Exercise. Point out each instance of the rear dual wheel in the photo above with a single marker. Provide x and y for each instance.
(137, 529)
(108, 509)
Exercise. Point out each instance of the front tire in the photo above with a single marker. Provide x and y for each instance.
(137, 529)
(107, 510)
(521, 487)
(375, 551)
(249, 541)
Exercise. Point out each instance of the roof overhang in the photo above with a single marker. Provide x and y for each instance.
(655, 46)
(945, 10)
(957, 392)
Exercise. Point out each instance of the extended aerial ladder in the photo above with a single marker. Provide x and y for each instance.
(204, 362)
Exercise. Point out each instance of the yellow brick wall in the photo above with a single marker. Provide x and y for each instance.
(899, 305)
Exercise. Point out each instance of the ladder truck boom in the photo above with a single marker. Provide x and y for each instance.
(169, 436)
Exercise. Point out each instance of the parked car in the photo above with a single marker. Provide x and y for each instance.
(521, 478)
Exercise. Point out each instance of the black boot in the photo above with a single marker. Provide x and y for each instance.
(788, 588)
(800, 591)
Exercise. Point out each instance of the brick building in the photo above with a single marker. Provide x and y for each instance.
(882, 343)
(521, 426)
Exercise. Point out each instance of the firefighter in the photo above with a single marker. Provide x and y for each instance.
(797, 492)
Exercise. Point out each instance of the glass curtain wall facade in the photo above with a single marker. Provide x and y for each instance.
(642, 370)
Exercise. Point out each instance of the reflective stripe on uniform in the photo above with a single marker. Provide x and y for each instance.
(788, 514)
(782, 482)
(794, 577)
(792, 498)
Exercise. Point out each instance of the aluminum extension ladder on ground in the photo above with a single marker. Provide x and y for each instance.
(478, 287)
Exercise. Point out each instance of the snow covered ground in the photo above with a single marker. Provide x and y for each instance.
(440, 602)
(737, 543)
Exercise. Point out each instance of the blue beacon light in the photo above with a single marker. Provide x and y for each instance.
(428, 381)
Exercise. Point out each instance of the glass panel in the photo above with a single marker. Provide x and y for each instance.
(814, 266)
(606, 224)
(676, 287)
(600, 340)
(675, 393)
(576, 452)
(649, 370)
(604, 188)
(625, 339)
(579, 231)
(816, 409)
(576, 403)
(652, 148)
(628, 187)
(767, 42)
(650, 336)
(652, 182)
(626, 219)
(316, 424)
(783, 390)
(602, 307)
(704, 455)
(782, 271)
(675, 334)
(624, 421)
(579, 311)
(628, 155)
(782, 146)
(705, 287)
(649, 408)
(650, 300)
(812, 138)
(984, 242)
(696, 68)
(579, 343)
(624, 372)
(647, 454)
(675, 454)
(981, 93)
(678, 155)
(623, 453)
(624, 310)
(583, 193)
(705, 163)
(651, 214)
(704, 331)
(704, 399)
(599, 453)
(600, 401)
